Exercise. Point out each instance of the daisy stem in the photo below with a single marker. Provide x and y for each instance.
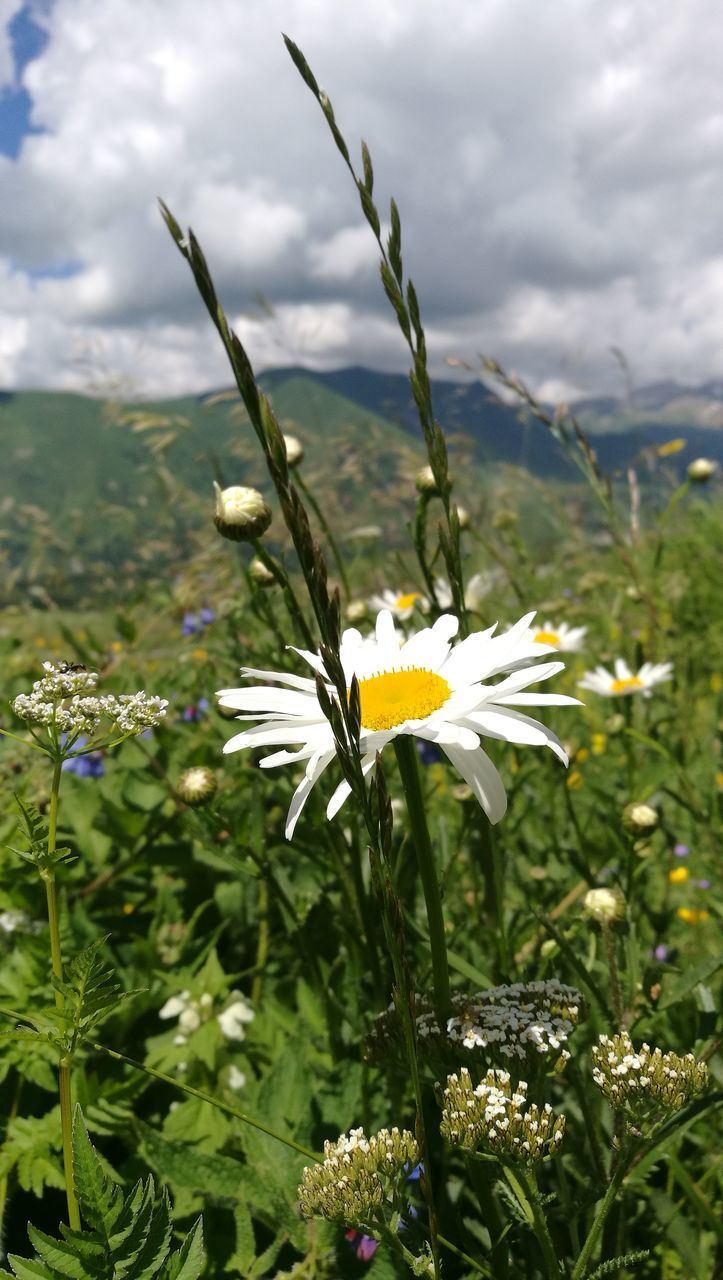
(409, 772)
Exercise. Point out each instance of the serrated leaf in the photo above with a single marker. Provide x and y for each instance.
(214, 1175)
(188, 1263)
(64, 1256)
(29, 1269)
(155, 1250)
(100, 1201)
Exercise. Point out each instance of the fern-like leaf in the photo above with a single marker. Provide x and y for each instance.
(89, 993)
(129, 1236)
(623, 1263)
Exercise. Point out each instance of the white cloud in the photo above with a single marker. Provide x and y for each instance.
(556, 166)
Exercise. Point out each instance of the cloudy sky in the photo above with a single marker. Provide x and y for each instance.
(558, 167)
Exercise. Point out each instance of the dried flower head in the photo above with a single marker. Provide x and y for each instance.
(356, 1175)
(241, 514)
(497, 1117)
(645, 1083)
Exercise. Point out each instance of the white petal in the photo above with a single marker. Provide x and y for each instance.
(301, 795)
(538, 700)
(480, 774)
(510, 726)
(386, 631)
(278, 677)
(343, 791)
(449, 732)
(429, 648)
(266, 698)
(174, 1006)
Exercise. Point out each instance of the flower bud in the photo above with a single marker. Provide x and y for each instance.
(196, 786)
(260, 573)
(701, 469)
(241, 514)
(640, 819)
(463, 517)
(604, 906)
(357, 611)
(294, 450)
(426, 483)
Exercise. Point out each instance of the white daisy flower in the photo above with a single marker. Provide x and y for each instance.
(400, 604)
(478, 586)
(623, 682)
(424, 686)
(563, 638)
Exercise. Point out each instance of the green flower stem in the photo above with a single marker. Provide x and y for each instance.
(207, 1097)
(480, 1174)
(64, 1065)
(523, 1186)
(615, 990)
(409, 772)
(290, 600)
(623, 1165)
(338, 558)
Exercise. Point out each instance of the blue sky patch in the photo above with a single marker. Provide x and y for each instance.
(28, 38)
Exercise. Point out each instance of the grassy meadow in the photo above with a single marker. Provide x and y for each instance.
(269, 994)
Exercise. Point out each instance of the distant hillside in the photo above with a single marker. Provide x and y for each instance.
(503, 433)
(90, 491)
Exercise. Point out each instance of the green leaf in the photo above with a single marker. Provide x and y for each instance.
(218, 1177)
(29, 1269)
(100, 1201)
(62, 1255)
(190, 1260)
(676, 991)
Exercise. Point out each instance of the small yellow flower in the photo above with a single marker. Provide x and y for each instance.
(678, 875)
(670, 447)
(719, 778)
(599, 741)
(128, 908)
(574, 780)
(716, 683)
(582, 755)
(200, 655)
(116, 646)
(691, 916)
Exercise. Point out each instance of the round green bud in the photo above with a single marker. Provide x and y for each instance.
(241, 514)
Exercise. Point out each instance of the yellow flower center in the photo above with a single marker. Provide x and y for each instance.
(623, 686)
(547, 637)
(395, 696)
(406, 601)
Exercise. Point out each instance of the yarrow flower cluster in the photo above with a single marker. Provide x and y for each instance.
(424, 687)
(192, 1012)
(497, 1117)
(645, 1083)
(524, 1022)
(357, 1174)
(64, 702)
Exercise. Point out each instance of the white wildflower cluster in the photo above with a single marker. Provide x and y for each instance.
(522, 1022)
(192, 1012)
(64, 701)
(497, 1117)
(356, 1174)
(645, 1083)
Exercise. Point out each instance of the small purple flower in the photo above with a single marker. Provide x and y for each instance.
(681, 850)
(194, 623)
(703, 884)
(196, 711)
(428, 752)
(88, 766)
(662, 953)
(364, 1246)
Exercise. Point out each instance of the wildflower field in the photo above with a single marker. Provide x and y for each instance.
(360, 899)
